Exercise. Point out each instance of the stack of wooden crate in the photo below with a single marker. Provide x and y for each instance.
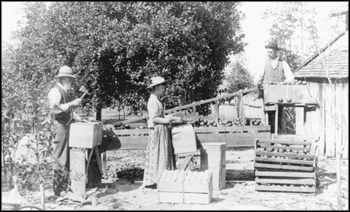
(213, 159)
(185, 187)
(284, 165)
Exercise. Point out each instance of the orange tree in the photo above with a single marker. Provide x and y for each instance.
(116, 47)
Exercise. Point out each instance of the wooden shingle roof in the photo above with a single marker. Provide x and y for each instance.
(333, 58)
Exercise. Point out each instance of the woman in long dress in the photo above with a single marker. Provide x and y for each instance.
(160, 153)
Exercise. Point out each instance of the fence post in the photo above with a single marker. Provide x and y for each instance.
(216, 111)
(241, 109)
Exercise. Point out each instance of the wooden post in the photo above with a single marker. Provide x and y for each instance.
(299, 120)
(217, 111)
(194, 113)
(276, 120)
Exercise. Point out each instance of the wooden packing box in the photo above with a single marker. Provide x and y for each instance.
(219, 176)
(213, 155)
(185, 187)
(78, 171)
(184, 139)
(284, 165)
(233, 136)
(297, 93)
(85, 135)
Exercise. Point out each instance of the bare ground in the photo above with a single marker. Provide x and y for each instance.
(239, 194)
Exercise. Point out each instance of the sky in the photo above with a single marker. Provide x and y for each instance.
(254, 27)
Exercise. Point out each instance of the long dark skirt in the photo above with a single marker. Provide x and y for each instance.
(160, 154)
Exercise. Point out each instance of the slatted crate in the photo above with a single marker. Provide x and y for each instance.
(185, 187)
(284, 165)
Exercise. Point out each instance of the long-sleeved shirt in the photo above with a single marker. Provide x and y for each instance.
(55, 98)
(155, 112)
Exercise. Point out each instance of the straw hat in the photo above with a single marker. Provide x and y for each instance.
(65, 71)
(156, 81)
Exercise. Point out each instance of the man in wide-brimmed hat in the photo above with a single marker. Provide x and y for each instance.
(61, 105)
(276, 69)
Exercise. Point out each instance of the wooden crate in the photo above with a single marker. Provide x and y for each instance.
(284, 165)
(234, 136)
(297, 93)
(85, 135)
(185, 187)
(184, 139)
(213, 155)
(219, 176)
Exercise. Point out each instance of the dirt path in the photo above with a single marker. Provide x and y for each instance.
(239, 193)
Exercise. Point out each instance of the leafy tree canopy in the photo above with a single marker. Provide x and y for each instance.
(116, 47)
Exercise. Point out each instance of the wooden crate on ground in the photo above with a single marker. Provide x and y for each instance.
(213, 159)
(185, 187)
(284, 165)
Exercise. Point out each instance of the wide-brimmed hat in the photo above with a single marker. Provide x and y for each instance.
(272, 45)
(156, 81)
(65, 71)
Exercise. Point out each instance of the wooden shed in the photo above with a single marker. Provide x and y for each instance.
(327, 74)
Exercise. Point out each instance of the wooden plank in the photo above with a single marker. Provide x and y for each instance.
(78, 174)
(299, 120)
(278, 160)
(193, 104)
(216, 110)
(285, 188)
(213, 154)
(286, 181)
(285, 174)
(244, 139)
(183, 166)
(205, 138)
(276, 119)
(286, 167)
(166, 186)
(345, 120)
(170, 197)
(280, 141)
(284, 154)
(137, 132)
(270, 107)
(197, 198)
(126, 143)
(267, 146)
(298, 93)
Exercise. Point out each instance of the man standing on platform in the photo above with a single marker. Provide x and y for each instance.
(276, 70)
(61, 105)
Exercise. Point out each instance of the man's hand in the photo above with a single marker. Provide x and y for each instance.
(75, 102)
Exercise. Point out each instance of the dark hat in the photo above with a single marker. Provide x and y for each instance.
(272, 45)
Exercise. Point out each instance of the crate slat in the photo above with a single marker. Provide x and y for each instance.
(281, 147)
(286, 167)
(285, 188)
(277, 160)
(280, 141)
(170, 197)
(286, 181)
(285, 174)
(285, 155)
